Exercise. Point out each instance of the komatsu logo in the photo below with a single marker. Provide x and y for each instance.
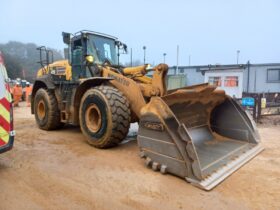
(153, 125)
(119, 79)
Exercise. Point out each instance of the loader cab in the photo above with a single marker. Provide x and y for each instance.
(91, 49)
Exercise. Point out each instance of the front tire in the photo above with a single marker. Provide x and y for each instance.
(104, 116)
(47, 113)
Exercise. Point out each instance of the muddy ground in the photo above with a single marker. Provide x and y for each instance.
(59, 170)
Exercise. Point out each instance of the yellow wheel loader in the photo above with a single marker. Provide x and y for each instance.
(197, 133)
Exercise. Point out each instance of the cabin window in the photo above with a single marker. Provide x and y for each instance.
(215, 81)
(231, 81)
(273, 75)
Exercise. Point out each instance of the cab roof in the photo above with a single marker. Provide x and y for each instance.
(94, 33)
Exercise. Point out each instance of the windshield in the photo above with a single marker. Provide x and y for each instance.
(102, 48)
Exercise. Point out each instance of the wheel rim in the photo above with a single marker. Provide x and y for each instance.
(41, 110)
(93, 118)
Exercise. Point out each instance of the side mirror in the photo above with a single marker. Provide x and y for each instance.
(125, 48)
(122, 46)
(66, 37)
(89, 59)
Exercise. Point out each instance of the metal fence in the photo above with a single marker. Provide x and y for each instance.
(265, 104)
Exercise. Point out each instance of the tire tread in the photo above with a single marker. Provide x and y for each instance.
(120, 115)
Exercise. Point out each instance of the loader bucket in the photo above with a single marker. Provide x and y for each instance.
(197, 133)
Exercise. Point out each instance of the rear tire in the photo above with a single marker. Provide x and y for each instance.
(47, 113)
(104, 116)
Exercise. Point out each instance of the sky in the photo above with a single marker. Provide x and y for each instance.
(206, 31)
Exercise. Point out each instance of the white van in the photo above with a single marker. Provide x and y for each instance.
(6, 111)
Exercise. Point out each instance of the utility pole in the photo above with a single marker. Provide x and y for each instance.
(189, 60)
(237, 56)
(144, 48)
(23, 73)
(131, 57)
(164, 54)
(177, 59)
